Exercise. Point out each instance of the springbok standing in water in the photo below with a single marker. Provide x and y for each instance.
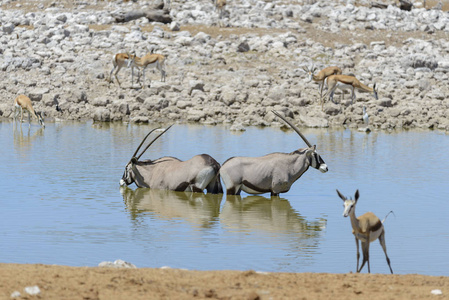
(367, 228)
(273, 173)
(21, 103)
(169, 173)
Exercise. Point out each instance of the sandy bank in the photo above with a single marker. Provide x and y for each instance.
(61, 282)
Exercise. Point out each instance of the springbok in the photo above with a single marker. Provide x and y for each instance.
(367, 228)
(322, 75)
(220, 7)
(149, 60)
(119, 61)
(21, 103)
(274, 173)
(169, 173)
(347, 82)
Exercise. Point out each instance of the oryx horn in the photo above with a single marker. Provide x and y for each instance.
(143, 141)
(153, 141)
(293, 127)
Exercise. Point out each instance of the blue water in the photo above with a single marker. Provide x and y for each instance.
(61, 202)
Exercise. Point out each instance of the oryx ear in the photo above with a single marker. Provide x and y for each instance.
(310, 151)
(134, 160)
(341, 196)
(356, 195)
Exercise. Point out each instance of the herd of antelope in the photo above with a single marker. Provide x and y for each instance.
(273, 173)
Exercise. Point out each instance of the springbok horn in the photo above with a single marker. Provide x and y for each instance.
(137, 150)
(153, 141)
(293, 127)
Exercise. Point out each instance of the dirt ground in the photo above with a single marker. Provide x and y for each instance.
(61, 282)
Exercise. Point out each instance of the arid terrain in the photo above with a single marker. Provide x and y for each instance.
(60, 282)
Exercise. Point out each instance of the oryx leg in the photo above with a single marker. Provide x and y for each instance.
(203, 178)
(214, 186)
(384, 247)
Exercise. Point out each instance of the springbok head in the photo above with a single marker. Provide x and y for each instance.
(309, 70)
(349, 204)
(40, 118)
(131, 58)
(315, 159)
(129, 174)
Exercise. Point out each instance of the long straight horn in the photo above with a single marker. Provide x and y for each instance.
(153, 141)
(143, 141)
(293, 127)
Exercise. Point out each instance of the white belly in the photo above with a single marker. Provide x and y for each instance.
(374, 235)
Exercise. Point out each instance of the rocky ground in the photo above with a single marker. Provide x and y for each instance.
(232, 71)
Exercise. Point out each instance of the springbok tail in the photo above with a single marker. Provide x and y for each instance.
(391, 212)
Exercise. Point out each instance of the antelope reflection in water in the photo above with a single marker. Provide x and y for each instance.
(272, 215)
(24, 140)
(195, 208)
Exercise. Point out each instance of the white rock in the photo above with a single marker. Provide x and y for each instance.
(32, 290)
(16, 294)
(117, 264)
(436, 292)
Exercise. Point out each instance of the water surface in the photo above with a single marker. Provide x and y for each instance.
(61, 202)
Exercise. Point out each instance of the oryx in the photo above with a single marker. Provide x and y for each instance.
(274, 173)
(169, 173)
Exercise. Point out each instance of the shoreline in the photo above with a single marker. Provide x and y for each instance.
(64, 282)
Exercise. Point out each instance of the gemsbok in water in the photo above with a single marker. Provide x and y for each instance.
(367, 228)
(169, 173)
(273, 173)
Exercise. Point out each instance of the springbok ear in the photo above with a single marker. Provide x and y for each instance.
(341, 196)
(134, 160)
(357, 194)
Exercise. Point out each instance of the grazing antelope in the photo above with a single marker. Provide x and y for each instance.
(23, 102)
(367, 228)
(119, 61)
(169, 173)
(322, 75)
(347, 82)
(274, 173)
(151, 60)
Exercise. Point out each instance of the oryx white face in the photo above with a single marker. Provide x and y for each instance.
(128, 177)
(317, 162)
